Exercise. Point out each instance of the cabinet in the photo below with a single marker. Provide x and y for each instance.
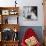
(9, 26)
(11, 43)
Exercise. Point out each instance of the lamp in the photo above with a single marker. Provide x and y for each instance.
(15, 3)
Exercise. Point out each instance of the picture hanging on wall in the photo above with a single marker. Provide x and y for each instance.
(30, 13)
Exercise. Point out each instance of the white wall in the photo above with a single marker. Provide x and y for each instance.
(22, 3)
(37, 3)
(7, 3)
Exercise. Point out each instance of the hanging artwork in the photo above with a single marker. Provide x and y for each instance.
(30, 12)
(5, 12)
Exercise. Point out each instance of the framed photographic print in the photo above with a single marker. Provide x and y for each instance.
(12, 12)
(5, 12)
(30, 12)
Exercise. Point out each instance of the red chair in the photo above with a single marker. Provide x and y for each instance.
(29, 33)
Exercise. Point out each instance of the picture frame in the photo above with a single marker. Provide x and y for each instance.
(5, 12)
(13, 12)
(30, 13)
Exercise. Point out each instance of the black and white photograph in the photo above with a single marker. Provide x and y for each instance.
(30, 12)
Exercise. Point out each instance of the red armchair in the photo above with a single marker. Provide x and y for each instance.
(28, 34)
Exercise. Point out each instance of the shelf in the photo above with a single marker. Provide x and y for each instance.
(11, 41)
(7, 16)
(17, 14)
(9, 8)
(10, 26)
(6, 12)
(10, 11)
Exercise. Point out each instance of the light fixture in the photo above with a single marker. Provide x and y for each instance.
(15, 3)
